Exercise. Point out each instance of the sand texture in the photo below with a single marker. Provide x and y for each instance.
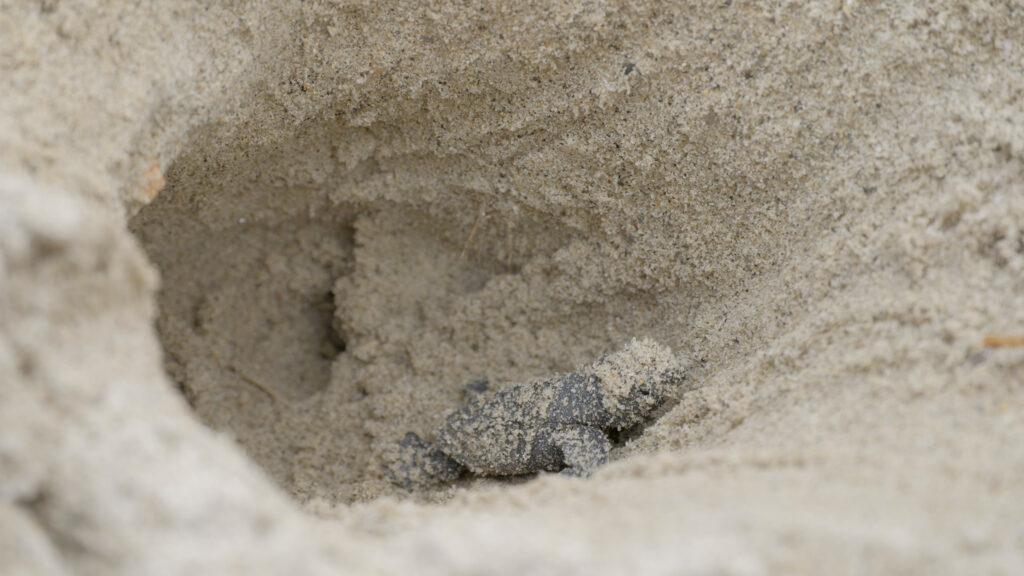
(246, 247)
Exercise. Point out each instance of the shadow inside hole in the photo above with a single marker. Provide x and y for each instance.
(247, 307)
(276, 335)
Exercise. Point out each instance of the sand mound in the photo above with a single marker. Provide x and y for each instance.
(244, 249)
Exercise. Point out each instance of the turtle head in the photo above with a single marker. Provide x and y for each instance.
(637, 380)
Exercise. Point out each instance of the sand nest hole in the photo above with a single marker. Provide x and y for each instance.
(316, 324)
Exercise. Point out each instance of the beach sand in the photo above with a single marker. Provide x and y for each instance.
(245, 248)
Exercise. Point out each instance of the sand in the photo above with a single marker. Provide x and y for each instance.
(245, 248)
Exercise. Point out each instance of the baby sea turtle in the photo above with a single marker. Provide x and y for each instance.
(560, 423)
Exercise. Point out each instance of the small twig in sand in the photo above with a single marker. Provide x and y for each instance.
(255, 383)
(476, 225)
(508, 254)
(1003, 340)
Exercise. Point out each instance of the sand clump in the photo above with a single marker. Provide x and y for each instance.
(243, 249)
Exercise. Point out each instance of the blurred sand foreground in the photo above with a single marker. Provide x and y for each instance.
(244, 247)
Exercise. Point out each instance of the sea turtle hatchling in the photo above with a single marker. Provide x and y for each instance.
(560, 423)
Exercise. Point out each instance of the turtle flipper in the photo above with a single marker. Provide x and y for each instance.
(476, 389)
(584, 449)
(419, 462)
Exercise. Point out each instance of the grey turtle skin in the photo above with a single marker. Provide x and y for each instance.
(559, 424)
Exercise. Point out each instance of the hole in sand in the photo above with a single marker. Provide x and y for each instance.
(315, 330)
(248, 318)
